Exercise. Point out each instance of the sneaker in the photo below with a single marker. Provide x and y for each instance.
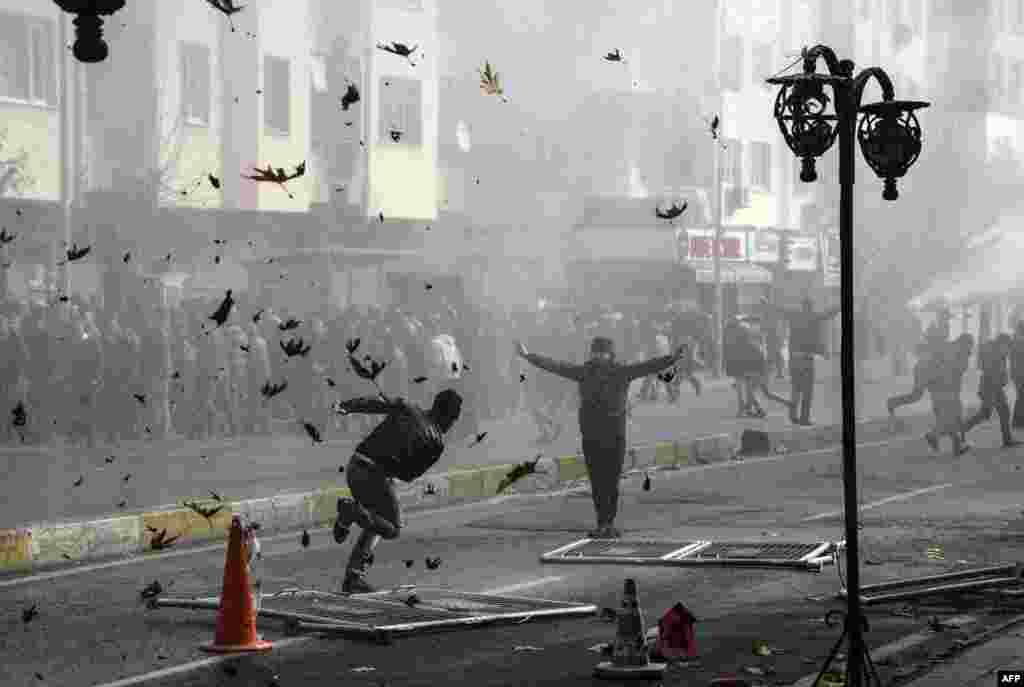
(932, 440)
(355, 584)
(346, 516)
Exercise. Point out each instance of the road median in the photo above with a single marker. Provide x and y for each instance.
(48, 545)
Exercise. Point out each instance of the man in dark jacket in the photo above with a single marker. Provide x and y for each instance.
(930, 353)
(404, 446)
(604, 387)
(805, 342)
(991, 390)
(1017, 373)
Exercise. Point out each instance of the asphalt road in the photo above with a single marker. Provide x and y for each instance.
(91, 629)
(166, 472)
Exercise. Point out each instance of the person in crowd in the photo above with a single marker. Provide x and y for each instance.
(14, 358)
(992, 392)
(1017, 373)
(404, 446)
(805, 343)
(945, 388)
(931, 354)
(257, 374)
(603, 387)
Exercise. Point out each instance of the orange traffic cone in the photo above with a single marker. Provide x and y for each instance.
(630, 651)
(236, 617)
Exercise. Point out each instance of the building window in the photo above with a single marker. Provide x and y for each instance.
(761, 165)
(764, 63)
(996, 77)
(195, 83)
(401, 110)
(732, 63)
(732, 162)
(276, 95)
(27, 67)
(1016, 83)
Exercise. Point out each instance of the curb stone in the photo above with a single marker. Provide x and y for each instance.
(50, 544)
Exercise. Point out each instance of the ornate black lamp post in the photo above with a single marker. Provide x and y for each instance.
(890, 138)
(89, 44)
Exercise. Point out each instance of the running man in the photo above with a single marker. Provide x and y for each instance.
(405, 445)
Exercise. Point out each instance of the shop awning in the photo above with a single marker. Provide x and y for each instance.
(992, 269)
(735, 273)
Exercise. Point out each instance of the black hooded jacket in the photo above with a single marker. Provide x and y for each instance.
(406, 444)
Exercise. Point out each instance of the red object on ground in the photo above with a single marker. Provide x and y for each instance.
(675, 633)
(236, 617)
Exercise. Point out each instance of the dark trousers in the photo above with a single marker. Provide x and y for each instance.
(378, 511)
(1018, 405)
(801, 379)
(604, 454)
(993, 399)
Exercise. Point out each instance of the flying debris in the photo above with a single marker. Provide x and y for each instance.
(30, 614)
(419, 380)
(408, 562)
(6, 238)
(295, 347)
(78, 482)
(228, 7)
(291, 323)
(647, 482)
(520, 471)
(330, 382)
(278, 176)
(381, 216)
(432, 563)
(350, 98)
(396, 135)
(362, 371)
(109, 459)
(160, 542)
(141, 398)
(522, 378)
(19, 418)
(270, 390)
(214, 181)
(667, 376)
(428, 286)
(215, 496)
(152, 590)
(76, 253)
(399, 49)
(672, 212)
(122, 503)
(204, 512)
(220, 316)
(257, 316)
(313, 432)
(478, 439)
(490, 83)
(412, 600)
(614, 56)
(305, 539)
(714, 127)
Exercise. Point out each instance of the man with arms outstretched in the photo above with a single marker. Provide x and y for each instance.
(604, 386)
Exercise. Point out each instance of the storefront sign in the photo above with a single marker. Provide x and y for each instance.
(766, 246)
(803, 254)
(700, 243)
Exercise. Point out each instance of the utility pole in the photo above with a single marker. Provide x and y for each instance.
(716, 244)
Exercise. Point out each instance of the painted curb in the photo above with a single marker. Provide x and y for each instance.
(50, 544)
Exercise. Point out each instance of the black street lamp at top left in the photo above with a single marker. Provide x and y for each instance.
(89, 44)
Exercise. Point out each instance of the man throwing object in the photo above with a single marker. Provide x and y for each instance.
(405, 445)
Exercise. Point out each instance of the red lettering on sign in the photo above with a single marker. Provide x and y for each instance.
(730, 247)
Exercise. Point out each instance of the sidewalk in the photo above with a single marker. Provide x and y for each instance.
(977, 666)
(166, 472)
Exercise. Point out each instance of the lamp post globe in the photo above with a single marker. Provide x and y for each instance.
(89, 45)
(802, 113)
(890, 139)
